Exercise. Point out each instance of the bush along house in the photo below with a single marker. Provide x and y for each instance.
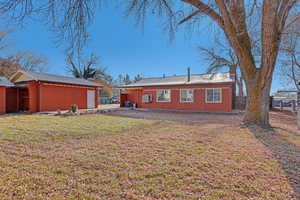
(204, 92)
(39, 92)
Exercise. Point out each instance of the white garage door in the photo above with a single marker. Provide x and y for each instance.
(91, 98)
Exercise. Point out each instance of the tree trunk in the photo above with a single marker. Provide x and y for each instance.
(233, 75)
(241, 87)
(258, 103)
(241, 102)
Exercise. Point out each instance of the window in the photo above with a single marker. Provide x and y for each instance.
(186, 95)
(213, 95)
(147, 98)
(163, 95)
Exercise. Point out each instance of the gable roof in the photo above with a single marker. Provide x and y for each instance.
(5, 82)
(37, 76)
(183, 80)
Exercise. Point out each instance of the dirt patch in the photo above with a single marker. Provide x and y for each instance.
(202, 118)
(281, 120)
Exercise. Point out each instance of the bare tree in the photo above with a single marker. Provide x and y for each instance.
(30, 61)
(290, 71)
(290, 63)
(4, 44)
(68, 19)
(222, 57)
(8, 67)
(87, 68)
(23, 60)
(233, 17)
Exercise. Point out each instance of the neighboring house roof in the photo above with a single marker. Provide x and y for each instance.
(285, 95)
(183, 80)
(37, 76)
(5, 82)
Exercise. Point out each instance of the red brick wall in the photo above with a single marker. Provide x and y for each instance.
(199, 103)
(2, 100)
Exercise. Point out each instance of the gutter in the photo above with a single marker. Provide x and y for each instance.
(183, 84)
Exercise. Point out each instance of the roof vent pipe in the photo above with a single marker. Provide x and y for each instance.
(188, 74)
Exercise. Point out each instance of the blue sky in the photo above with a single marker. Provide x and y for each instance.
(124, 47)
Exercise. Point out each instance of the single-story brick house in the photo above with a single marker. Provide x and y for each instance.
(204, 92)
(38, 92)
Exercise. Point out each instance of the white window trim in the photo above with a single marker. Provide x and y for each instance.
(186, 101)
(206, 101)
(163, 90)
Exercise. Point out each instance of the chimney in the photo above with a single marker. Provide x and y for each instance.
(188, 74)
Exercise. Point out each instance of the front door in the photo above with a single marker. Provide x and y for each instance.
(91, 98)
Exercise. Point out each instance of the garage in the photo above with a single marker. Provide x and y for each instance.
(40, 92)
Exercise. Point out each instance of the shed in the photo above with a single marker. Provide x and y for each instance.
(39, 92)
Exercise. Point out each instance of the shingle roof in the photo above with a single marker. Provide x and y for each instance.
(183, 80)
(61, 79)
(5, 82)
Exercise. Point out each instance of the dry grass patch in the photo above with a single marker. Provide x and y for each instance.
(136, 159)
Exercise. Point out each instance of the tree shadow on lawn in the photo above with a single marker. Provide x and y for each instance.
(286, 153)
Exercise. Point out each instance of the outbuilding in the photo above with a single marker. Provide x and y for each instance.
(39, 92)
(201, 92)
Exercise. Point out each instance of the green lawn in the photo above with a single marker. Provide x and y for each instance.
(43, 127)
(109, 157)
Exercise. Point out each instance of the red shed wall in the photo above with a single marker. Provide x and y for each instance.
(61, 97)
(12, 100)
(199, 104)
(2, 100)
(33, 97)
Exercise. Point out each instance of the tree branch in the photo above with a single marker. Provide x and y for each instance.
(205, 9)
